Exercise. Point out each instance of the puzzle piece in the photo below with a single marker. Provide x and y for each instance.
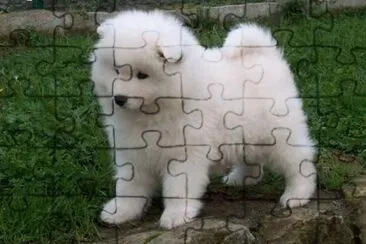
(183, 195)
(211, 230)
(244, 120)
(131, 171)
(330, 98)
(302, 168)
(344, 55)
(170, 136)
(325, 23)
(54, 70)
(201, 135)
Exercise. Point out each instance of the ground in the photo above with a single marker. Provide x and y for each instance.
(55, 172)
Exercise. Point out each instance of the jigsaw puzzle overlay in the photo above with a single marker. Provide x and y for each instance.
(231, 106)
(173, 110)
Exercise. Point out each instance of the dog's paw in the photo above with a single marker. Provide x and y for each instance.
(298, 194)
(238, 181)
(233, 180)
(291, 200)
(175, 217)
(117, 212)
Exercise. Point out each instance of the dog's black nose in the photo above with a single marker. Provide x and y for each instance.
(120, 100)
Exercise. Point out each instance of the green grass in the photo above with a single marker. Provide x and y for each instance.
(50, 195)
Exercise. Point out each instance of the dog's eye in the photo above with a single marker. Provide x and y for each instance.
(141, 76)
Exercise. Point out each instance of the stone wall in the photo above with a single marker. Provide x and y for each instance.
(91, 5)
(109, 6)
(46, 21)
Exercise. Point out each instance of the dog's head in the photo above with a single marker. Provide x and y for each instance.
(132, 54)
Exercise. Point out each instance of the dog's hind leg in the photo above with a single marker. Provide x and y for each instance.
(244, 174)
(296, 163)
(300, 177)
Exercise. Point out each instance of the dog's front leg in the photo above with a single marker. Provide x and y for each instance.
(134, 188)
(184, 184)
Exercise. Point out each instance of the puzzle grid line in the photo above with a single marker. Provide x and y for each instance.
(264, 98)
(182, 98)
(56, 96)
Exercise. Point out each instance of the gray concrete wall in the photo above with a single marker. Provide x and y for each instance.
(47, 21)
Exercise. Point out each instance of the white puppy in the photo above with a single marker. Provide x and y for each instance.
(236, 106)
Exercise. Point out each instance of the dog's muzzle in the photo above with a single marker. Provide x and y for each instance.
(120, 100)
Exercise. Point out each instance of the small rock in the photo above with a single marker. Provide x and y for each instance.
(207, 230)
(360, 186)
(355, 196)
(306, 225)
(144, 237)
(240, 237)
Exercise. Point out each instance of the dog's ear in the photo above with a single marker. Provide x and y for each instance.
(100, 30)
(166, 48)
(104, 28)
(171, 54)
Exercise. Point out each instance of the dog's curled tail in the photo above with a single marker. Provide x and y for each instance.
(248, 39)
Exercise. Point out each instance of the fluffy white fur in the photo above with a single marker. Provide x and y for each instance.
(249, 67)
